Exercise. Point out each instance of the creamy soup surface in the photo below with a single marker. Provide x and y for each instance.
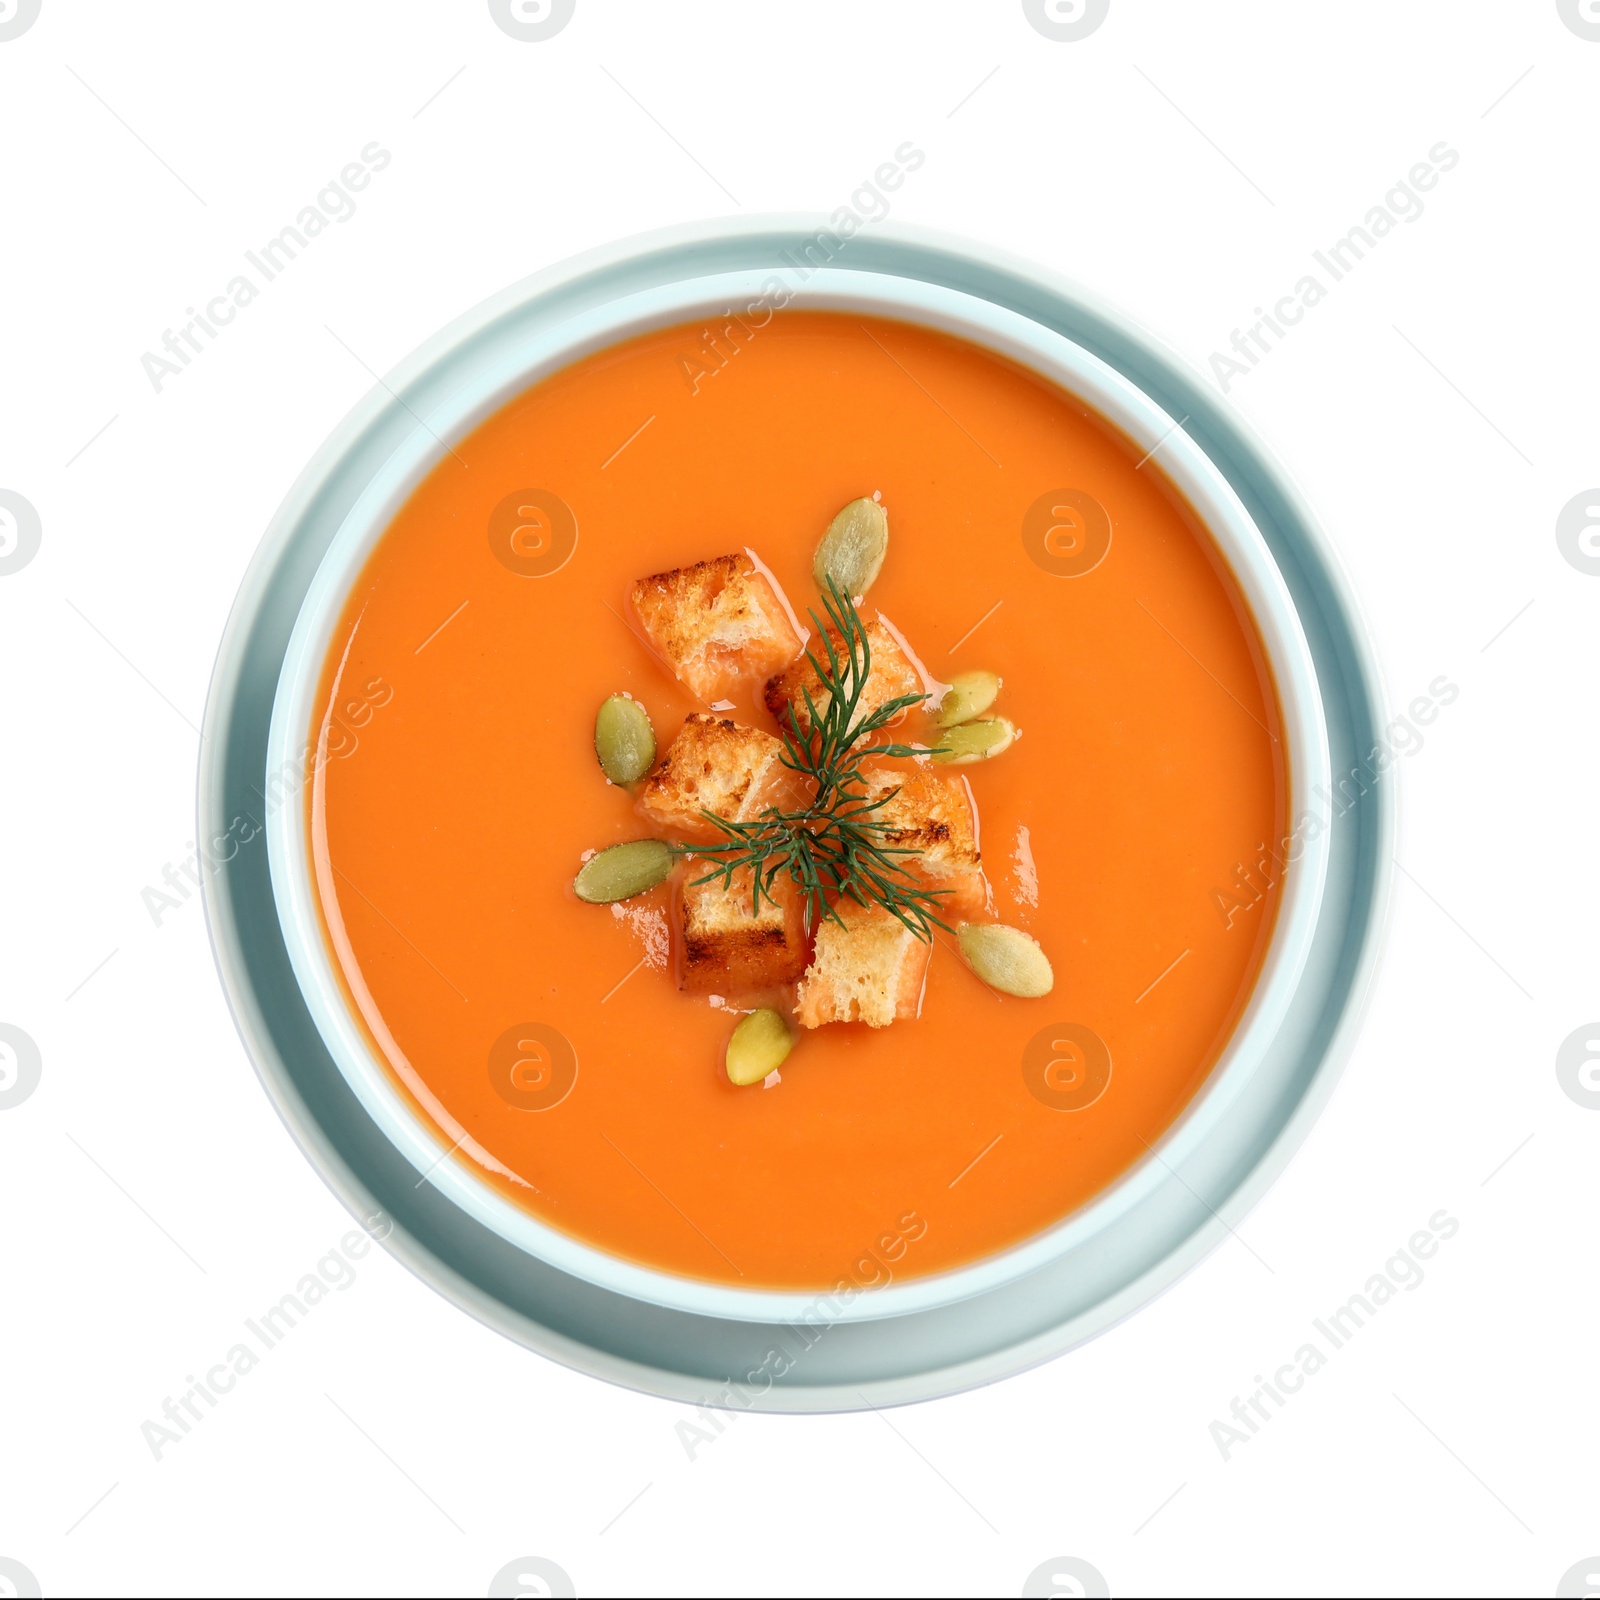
(461, 793)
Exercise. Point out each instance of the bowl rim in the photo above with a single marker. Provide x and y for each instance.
(1061, 361)
(443, 1249)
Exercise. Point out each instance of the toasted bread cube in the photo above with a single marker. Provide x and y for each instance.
(716, 623)
(713, 765)
(727, 949)
(890, 675)
(871, 970)
(932, 814)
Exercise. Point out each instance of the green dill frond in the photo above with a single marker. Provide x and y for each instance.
(833, 848)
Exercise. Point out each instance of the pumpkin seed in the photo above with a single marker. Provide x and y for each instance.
(759, 1045)
(853, 548)
(1006, 959)
(624, 740)
(623, 871)
(974, 741)
(971, 694)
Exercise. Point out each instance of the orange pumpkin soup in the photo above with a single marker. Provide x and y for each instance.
(550, 1041)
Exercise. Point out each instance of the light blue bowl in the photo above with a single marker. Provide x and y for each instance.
(674, 1335)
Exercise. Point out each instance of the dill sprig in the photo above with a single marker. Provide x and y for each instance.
(834, 847)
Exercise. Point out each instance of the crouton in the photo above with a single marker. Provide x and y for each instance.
(890, 675)
(716, 623)
(933, 815)
(871, 970)
(713, 765)
(729, 950)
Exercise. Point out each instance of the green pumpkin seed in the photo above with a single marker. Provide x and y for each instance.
(624, 740)
(975, 741)
(759, 1046)
(1006, 959)
(971, 694)
(853, 548)
(623, 871)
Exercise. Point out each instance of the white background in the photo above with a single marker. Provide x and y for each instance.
(1440, 410)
